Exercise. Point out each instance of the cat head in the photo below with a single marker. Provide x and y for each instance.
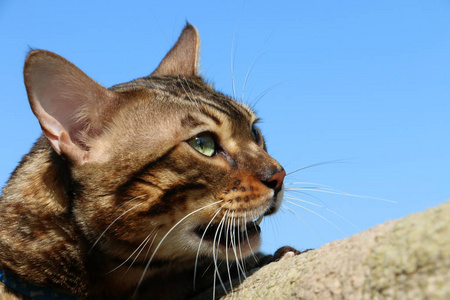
(163, 163)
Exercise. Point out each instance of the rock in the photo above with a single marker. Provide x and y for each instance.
(407, 258)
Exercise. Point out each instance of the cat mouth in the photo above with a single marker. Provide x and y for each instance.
(228, 236)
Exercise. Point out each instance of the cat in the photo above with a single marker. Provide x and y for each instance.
(151, 189)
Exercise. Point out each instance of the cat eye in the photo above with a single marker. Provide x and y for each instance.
(203, 143)
(256, 135)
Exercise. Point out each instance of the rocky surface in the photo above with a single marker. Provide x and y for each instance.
(407, 258)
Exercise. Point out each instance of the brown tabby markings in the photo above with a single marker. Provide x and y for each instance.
(112, 202)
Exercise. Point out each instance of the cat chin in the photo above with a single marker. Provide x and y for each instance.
(245, 249)
(232, 252)
(234, 243)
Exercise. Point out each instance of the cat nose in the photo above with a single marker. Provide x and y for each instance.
(275, 180)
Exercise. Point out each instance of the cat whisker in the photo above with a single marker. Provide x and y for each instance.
(215, 254)
(141, 246)
(127, 202)
(233, 54)
(140, 251)
(243, 267)
(315, 187)
(227, 236)
(298, 216)
(325, 208)
(220, 229)
(207, 268)
(165, 236)
(258, 98)
(239, 268)
(239, 238)
(115, 220)
(190, 97)
(306, 182)
(247, 76)
(317, 214)
(150, 247)
(333, 191)
(248, 240)
(233, 241)
(201, 241)
(287, 196)
(253, 64)
(316, 165)
(233, 245)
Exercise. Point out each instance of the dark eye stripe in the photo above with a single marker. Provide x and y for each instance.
(212, 117)
(190, 121)
(213, 105)
(172, 198)
(123, 187)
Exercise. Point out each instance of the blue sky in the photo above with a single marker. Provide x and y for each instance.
(363, 84)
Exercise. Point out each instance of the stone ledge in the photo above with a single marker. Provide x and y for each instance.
(408, 258)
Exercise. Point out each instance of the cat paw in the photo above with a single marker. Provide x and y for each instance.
(281, 254)
(286, 252)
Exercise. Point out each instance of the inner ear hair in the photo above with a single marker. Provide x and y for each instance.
(68, 104)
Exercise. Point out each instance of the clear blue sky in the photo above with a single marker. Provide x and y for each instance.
(366, 83)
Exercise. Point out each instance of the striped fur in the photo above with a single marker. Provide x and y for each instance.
(113, 202)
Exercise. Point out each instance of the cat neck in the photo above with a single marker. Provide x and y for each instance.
(37, 187)
(35, 210)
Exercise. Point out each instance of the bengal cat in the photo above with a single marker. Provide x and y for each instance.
(151, 189)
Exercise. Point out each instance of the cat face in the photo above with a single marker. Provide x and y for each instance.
(163, 167)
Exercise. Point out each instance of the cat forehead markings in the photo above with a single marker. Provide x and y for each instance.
(193, 92)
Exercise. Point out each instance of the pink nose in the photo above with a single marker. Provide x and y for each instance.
(276, 180)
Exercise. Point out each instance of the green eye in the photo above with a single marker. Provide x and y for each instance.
(255, 134)
(204, 144)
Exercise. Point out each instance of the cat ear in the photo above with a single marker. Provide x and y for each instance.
(182, 59)
(67, 103)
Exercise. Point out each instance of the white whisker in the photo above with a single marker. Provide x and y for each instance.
(201, 241)
(143, 247)
(215, 254)
(247, 76)
(253, 65)
(115, 220)
(286, 196)
(227, 233)
(248, 240)
(150, 247)
(317, 214)
(297, 215)
(233, 54)
(316, 164)
(264, 93)
(191, 96)
(336, 192)
(234, 235)
(130, 256)
(325, 208)
(243, 268)
(305, 182)
(165, 236)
